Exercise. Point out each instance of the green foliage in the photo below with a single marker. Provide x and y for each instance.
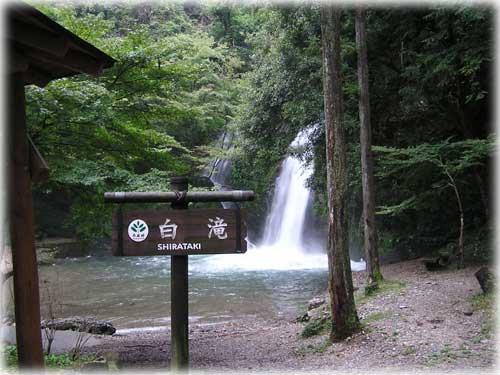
(455, 158)
(409, 350)
(377, 316)
(429, 90)
(10, 355)
(52, 361)
(187, 72)
(316, 327)
(156, 113)
(313, 349)
(384, 287)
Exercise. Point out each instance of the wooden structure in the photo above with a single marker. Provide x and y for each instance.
(179, 199)
(39, 50)
(194, 232)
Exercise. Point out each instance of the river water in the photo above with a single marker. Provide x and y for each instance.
(273, 280)
(135, 291)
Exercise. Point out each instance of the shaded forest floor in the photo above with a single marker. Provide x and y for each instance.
(431, 321)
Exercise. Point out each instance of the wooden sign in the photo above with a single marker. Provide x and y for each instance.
(179, 232)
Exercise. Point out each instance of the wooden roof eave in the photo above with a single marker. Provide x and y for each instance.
(43, 50)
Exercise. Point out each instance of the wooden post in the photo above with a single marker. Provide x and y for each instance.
(26, 291)
(179, 291)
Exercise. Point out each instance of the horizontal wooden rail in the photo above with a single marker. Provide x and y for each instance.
(176, 196)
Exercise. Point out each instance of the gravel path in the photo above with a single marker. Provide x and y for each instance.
(429, 324)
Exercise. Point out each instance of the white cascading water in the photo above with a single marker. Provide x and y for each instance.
(285, 222)
(283, 247)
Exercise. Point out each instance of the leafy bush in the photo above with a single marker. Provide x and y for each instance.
(53, 361)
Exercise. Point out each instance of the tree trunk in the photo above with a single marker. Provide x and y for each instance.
(453, 184)
(370, 234)
(344, 316)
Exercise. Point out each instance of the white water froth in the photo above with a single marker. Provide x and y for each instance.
(283, 246)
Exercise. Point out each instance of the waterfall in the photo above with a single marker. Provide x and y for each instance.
(287, 240)
(284, 226)
(219, 170)
(287, 243)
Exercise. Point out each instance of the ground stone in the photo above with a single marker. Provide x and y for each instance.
(80, 324)
(316, 302)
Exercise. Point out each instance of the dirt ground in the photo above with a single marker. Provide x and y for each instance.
(430, 324)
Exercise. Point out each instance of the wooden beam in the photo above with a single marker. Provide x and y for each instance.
(179, 319)
(16, 62)
(74, 61)
(39, 170)
(38, 38)
(170, 196)
(26, 291)
(83, 63)
(37, 77)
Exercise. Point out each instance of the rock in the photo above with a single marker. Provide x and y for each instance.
(8, 320)
(54, 248)
(79, 324)
(6, 263)
(316, 302)
(97, 365)
(318, 313)
(436, 320)
(486, 279)
(303, 318)
(45, 256)
(403, 306)
(468, 312)
(438, 263)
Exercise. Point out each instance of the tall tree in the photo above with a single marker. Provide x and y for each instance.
(370, 233)
(344, 316)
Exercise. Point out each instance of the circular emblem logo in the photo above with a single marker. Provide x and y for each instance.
(138, 230)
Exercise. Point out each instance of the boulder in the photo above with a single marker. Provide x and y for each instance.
(318, 313)
(486, 279)
(303, 318)
(90, 325)
(60, 248)
(440, 262)
(316, 302)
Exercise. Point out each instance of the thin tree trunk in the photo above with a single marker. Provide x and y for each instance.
(370, 234)
(344, 316)
(461, 211)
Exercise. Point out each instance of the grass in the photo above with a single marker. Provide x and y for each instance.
(485, 303)
(377, 316)
(409, 350)
(321, 326)
(52, 361)
(313, 349)
(384, 287)
(448, 354)
(316, 327)
(482, 302)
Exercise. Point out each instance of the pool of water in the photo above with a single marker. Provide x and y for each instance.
(134, 292)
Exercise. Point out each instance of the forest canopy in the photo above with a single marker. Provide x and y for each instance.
(187, 73)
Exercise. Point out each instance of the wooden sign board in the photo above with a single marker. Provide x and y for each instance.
(179, 232)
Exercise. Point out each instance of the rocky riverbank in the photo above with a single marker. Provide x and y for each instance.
(423, 320)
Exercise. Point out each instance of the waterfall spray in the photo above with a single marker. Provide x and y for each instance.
(285, 245)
